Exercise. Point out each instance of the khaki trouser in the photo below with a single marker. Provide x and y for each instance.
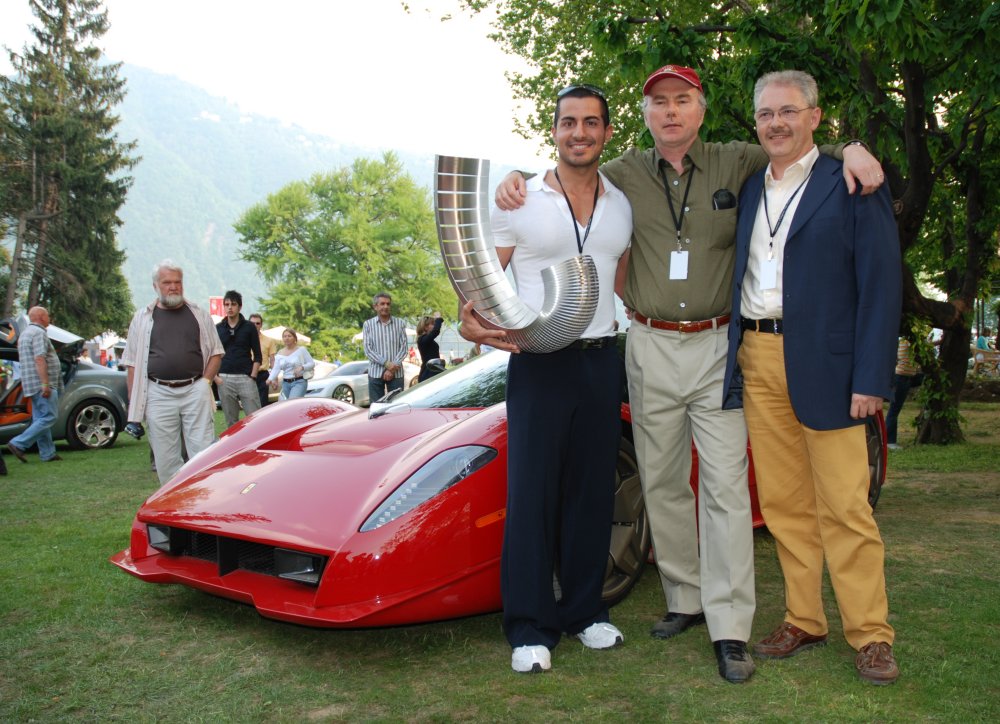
(813, 492)
(704, 550)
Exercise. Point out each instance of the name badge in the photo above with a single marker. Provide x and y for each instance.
(769, 274)
(678, 265)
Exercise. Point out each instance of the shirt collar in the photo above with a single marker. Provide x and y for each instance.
(537, 183)
(695, 154)
(797, 171)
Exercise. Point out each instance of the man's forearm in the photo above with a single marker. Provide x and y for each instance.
(43, 370)
(212, 368)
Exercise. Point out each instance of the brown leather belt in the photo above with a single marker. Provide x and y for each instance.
(175, 383)
(681, 326)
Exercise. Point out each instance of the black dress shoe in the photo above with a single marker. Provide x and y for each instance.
(674, 623)
(735, 664)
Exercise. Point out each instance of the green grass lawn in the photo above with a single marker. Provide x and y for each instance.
(80, 640)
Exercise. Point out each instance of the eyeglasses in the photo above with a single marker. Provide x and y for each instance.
(592, 89)
(786, 114)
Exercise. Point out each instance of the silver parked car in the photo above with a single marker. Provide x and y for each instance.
(92, 407)
(349, 383)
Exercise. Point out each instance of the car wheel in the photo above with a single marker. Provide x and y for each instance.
(344, 393)
(630, 535)
(92, 425)
(875, 440)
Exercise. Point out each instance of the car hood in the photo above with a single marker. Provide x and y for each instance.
(312, 487)
(67, 345)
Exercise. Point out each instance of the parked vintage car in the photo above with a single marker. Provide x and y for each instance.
(318, 513)
(93, 405)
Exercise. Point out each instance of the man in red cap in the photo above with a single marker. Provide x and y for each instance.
(678, 284)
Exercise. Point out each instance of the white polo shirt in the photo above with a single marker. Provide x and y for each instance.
(542, 233)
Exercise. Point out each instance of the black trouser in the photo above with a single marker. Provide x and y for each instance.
(262, 388)
(564, 425)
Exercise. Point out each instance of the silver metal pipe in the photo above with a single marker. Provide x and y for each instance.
(461, 209)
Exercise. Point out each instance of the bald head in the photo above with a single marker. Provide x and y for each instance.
(39, 316)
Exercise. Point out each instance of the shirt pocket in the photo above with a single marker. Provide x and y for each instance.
(716, 227)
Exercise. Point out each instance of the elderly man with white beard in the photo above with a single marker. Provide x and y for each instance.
(172, 354)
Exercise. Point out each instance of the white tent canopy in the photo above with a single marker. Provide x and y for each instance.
(276, 332)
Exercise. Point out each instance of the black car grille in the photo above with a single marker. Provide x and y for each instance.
(229, 554)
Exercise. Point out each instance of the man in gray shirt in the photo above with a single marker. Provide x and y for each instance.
(41, 382)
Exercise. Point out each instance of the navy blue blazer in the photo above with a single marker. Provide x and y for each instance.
(841, 296)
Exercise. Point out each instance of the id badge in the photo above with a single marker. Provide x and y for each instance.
(678, 265)
(769, 274)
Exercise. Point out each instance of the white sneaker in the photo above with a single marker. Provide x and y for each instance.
(600, 636)
(531, 659)
(894, 446)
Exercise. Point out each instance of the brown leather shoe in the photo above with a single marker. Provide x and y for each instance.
(876, 664)
(786, 640)
(17, 452)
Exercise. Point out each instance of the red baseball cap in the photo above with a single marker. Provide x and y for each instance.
(673, 71)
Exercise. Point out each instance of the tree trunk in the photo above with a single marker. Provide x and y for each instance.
(22, 226)
(939, 422)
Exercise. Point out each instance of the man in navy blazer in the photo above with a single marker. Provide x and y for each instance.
(817, 289)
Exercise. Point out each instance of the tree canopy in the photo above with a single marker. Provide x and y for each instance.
(327, 245)
(917, 80)
(64, 172)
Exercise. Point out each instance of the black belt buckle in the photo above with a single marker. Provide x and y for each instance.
(598, 343)
(767, 326)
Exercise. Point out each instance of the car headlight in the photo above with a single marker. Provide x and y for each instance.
(434, 477)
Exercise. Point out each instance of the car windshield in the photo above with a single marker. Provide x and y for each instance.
(480, 382)
(350, 369)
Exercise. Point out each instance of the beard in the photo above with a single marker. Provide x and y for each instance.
(171, 301)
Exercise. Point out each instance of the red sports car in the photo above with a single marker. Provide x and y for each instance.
(319, 513)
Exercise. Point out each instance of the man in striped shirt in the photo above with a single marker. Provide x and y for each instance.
(385, 348)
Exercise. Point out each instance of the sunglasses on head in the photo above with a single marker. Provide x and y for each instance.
(592, 89)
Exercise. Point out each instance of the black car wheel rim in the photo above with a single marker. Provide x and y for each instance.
(344, 393)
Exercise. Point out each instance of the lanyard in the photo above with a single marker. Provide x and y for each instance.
(678, 220)
(767, 216)
(576, 227)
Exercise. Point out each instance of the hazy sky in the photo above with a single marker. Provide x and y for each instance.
(362, 71)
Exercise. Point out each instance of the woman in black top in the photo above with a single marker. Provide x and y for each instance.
(427, 331)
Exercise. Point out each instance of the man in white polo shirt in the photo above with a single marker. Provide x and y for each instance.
(562, 448)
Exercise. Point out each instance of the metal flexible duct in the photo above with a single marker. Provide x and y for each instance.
(463, 222)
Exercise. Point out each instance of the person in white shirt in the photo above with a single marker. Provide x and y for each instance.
(562, 447)
(817, 290)
(292, 363)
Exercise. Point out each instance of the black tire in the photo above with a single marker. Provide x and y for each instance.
(630, 535)
(344, 393)
(93, 425)
(875, 440)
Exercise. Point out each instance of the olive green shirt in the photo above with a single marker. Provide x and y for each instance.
(709, 236)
